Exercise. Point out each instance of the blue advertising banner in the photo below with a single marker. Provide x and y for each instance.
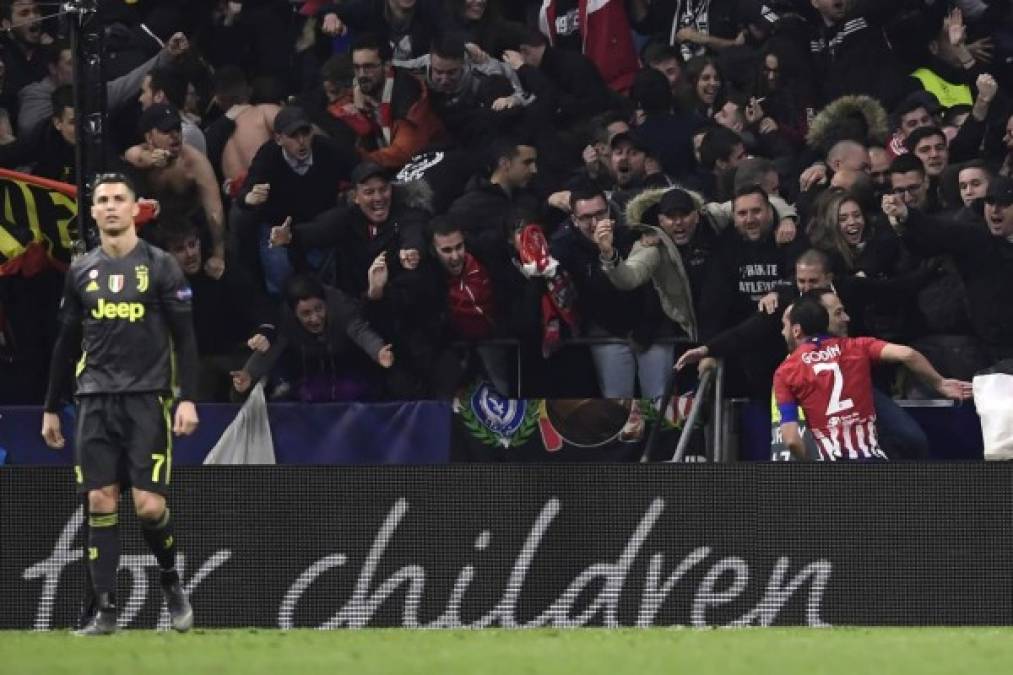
(477, 427)
(417, 432)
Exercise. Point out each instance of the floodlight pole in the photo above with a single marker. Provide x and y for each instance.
(86, 40)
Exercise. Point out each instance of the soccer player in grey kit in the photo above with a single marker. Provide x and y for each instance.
(127, 305)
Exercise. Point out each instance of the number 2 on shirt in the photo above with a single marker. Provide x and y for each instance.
(836, 405)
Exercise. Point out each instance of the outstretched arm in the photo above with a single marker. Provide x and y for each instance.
(916, 362)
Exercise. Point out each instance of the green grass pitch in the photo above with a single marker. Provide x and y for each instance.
(754, 651)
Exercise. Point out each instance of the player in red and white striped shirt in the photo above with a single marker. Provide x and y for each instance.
(831, 379)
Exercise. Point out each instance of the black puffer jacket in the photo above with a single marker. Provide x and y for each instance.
(486, 212)
(985, 263)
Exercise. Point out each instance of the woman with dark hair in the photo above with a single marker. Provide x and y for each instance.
(855, 245)
(704, 91)
(781, 89)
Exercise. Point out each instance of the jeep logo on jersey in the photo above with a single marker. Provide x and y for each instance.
(131, 311)
(115, 283)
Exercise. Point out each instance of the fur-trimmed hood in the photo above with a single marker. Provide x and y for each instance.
(417, 194)
(846, 118)
(643, 209)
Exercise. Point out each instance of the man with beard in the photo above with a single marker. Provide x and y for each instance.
(749, 264)
(179, 177)
(830, 379)
(390, 111)
(24, 61)
(489, 207)
(759, 337)
(632, 170)
(168, 85)
(633, 314)
(475, 295)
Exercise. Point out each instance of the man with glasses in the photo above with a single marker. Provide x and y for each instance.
(607, 312)
(390, 110)
(941, 307)
(909, 181)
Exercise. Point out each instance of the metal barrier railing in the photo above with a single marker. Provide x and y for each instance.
(515, 344)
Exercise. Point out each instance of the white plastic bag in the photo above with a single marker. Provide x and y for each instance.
(993, 398)
(248, 439)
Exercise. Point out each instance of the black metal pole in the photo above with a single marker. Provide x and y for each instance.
(86, 39)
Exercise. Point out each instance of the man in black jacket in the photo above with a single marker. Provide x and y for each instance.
(569, 80)
(380, 226)
(298, 175)
(409, 25)
(608, 312)
(983, 255)
(851, 56)
(749, 263)
(377, 245)
(490, 207)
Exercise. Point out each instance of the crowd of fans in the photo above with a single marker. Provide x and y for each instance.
(386, 199)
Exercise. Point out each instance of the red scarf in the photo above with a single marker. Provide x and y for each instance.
(380, 127)
(385, 115)
(560, 298)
